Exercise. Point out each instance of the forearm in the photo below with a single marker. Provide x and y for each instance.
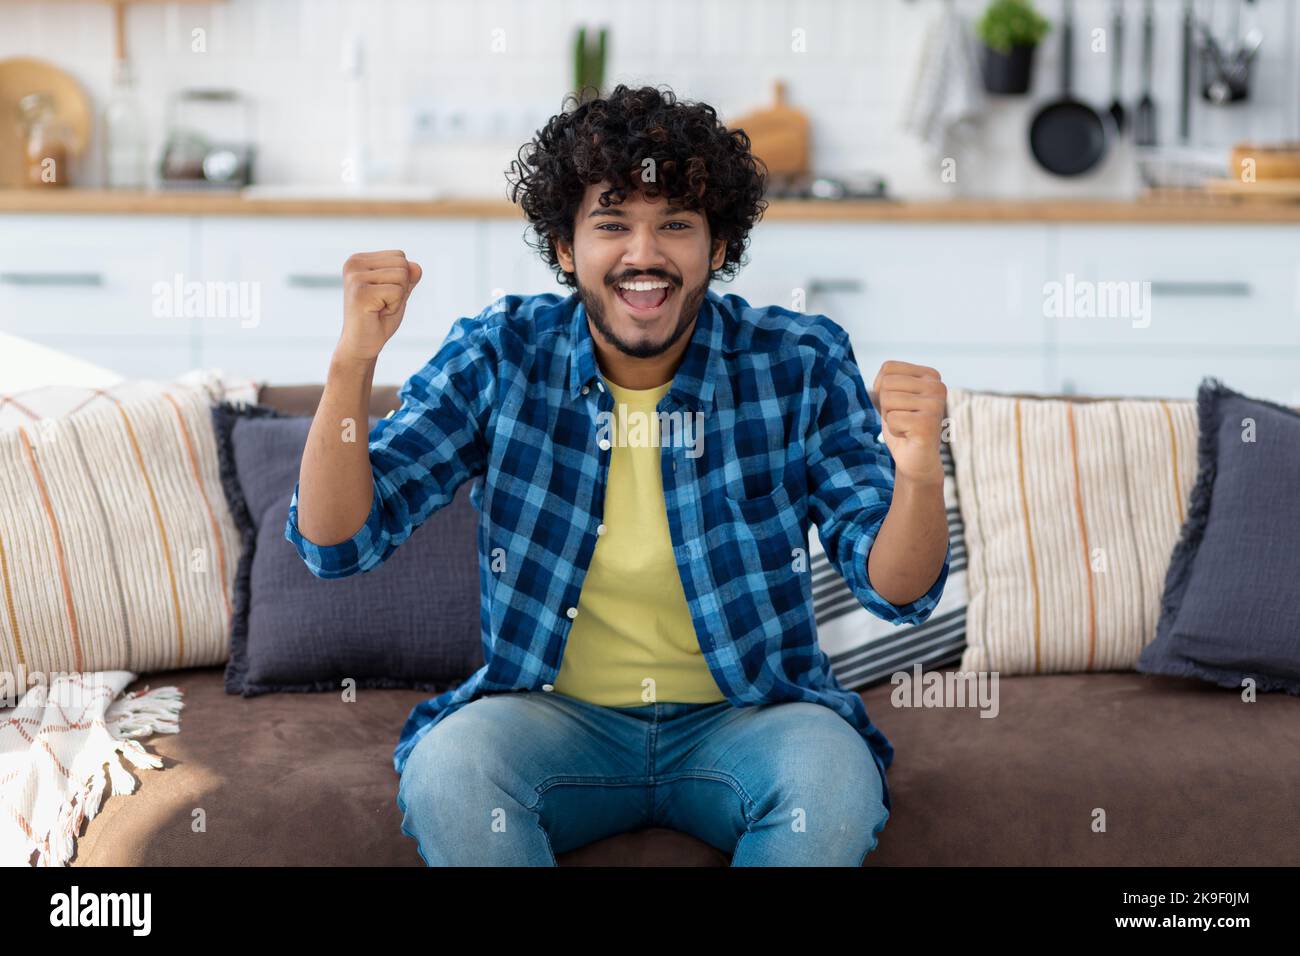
(335, 480)
(908, 553)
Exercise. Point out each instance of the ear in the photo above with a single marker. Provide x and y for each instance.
(719, 254)
(564, 253)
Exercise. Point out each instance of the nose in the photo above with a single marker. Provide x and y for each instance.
(643, 253)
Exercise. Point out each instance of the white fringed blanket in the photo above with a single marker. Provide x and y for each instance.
(61, 746)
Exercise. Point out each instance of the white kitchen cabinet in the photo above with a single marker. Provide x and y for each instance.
(1216, 286)
(85, 275)
(294, 269)
(511, 265)
(1152, 373)
(905, 283)
(966, 298)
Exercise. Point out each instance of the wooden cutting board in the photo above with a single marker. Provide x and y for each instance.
(1272, 161)
(19, 76)
(1272, 190)
(778, 135)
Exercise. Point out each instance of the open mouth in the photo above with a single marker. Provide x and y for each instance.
(644, 303)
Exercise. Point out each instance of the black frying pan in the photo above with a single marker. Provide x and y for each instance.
(1068, 137)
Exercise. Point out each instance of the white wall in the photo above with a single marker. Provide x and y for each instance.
(854, 79)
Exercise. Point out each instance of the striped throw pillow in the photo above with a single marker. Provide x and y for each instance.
(55, 401)
(117, 548)
(1071, 511)
(865, 650)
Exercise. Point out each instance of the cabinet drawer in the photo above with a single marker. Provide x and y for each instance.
(1184, 285)
(906, 282)
(514, 267)
(92, 275)
(293, 269)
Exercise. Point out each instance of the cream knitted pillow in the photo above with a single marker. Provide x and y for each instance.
(1071, 511)
(117, 549)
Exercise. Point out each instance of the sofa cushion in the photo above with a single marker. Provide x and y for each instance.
(1229, 611)
(864, 649)
(117, 550)
(293, 779)
(1070, 512)
(412, 623)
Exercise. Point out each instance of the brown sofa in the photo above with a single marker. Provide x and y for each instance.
(1186, 774)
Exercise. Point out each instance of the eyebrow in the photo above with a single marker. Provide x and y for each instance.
(619, 213)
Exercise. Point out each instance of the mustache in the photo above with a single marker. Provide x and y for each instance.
(631, 277)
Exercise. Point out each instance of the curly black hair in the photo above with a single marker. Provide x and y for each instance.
(698, 163)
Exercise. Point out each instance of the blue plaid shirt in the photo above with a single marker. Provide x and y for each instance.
(789, 437)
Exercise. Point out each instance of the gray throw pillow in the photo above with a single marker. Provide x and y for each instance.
(412, 622)
(1230, 608)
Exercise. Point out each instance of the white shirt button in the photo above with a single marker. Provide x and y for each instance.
(548, 687)
(572, 612)
(585, 390)
(604, 444)
(601, 386)
(600, 529)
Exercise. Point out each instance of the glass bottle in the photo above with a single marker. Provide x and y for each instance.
(124, 134)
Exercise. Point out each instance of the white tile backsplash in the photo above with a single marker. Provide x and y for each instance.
(854, 79)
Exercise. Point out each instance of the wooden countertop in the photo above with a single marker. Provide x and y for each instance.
(1185, 206)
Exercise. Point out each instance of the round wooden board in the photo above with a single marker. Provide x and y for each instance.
(21, 75)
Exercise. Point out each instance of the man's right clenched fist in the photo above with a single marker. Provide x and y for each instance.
(376, 286)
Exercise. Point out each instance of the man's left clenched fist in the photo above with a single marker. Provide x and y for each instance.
(911, 399)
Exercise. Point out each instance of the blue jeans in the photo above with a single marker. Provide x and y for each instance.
(512, 779)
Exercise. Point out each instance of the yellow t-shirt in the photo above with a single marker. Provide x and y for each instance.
(633, 641)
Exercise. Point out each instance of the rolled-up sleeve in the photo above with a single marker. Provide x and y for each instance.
(419, 455)
(851, 484)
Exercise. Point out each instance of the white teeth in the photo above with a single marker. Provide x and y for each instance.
(643, 286)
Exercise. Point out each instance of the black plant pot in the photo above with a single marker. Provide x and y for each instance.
(1007, 73)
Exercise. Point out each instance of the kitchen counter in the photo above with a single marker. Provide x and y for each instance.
(1165, 207)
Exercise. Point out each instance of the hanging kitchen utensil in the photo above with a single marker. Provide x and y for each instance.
(1225, 66)
(1067, 136)
(1117, 65)
(1144, 118)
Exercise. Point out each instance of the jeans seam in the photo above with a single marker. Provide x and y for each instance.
(721, 776)
(652, 741)
(550, 850)
(409, 834)
(560, 780)
(598, 780)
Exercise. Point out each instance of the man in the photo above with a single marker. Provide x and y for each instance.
(650, 455)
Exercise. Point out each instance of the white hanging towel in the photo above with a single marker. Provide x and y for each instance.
(947, 97)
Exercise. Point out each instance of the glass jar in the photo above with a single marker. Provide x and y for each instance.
(46, 145)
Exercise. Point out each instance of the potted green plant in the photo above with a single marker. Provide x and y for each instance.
(1009, 32)
(589, 63)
